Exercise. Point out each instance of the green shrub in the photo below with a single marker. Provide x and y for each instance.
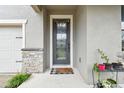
(17, 80)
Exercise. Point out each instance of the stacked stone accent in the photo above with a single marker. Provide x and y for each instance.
(32, 60)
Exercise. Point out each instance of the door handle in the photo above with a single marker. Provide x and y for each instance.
(18, 61)
(68, 46)
(18, 37)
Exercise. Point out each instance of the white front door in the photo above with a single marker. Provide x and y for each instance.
(10, 49)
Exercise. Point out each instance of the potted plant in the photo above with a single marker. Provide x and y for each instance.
(106, 59)
(96, 69)
(108, 83)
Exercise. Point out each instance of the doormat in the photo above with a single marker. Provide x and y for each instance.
(62, 71)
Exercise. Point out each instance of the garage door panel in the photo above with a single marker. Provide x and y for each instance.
(18, 44)
(10, 67)
(18, 56)
(5, 55)
(6, 44)
(10, 49)
(5, 67)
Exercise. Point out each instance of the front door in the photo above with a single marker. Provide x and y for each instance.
(61, 41)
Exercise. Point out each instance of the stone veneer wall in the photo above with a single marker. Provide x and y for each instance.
(32, 60)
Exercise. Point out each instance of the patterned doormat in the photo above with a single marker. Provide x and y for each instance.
(62, 71)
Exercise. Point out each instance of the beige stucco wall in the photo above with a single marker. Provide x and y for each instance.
(96, 27)
(45, 26)
(34, 26)
(81, 40)
(103, 32)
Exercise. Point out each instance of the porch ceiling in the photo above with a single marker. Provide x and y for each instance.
(55, 8)
(61, 8)
(37, 8)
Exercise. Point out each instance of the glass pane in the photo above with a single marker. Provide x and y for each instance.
(122, 40)
(122, 13)
(61, 41)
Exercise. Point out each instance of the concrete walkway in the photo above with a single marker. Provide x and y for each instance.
(45, 80)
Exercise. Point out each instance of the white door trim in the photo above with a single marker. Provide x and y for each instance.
(17, 22)
(51, 40)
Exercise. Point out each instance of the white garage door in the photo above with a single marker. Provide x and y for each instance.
(10, 49)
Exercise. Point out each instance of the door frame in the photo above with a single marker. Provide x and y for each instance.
(51, 40)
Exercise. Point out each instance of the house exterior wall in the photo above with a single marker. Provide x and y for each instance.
(97, 27)
(34, 26)
(94, 27)
(103, 32)
(45, 26)
(34, 32)
(81, 40)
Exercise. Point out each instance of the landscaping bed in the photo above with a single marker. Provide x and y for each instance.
(17, 80)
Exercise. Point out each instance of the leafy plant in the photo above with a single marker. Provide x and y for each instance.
(95, 67)
(108, 83)
(112, 81)
(103, 56)
(17, 80)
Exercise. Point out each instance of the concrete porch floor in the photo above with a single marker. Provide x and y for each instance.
(45, 80)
